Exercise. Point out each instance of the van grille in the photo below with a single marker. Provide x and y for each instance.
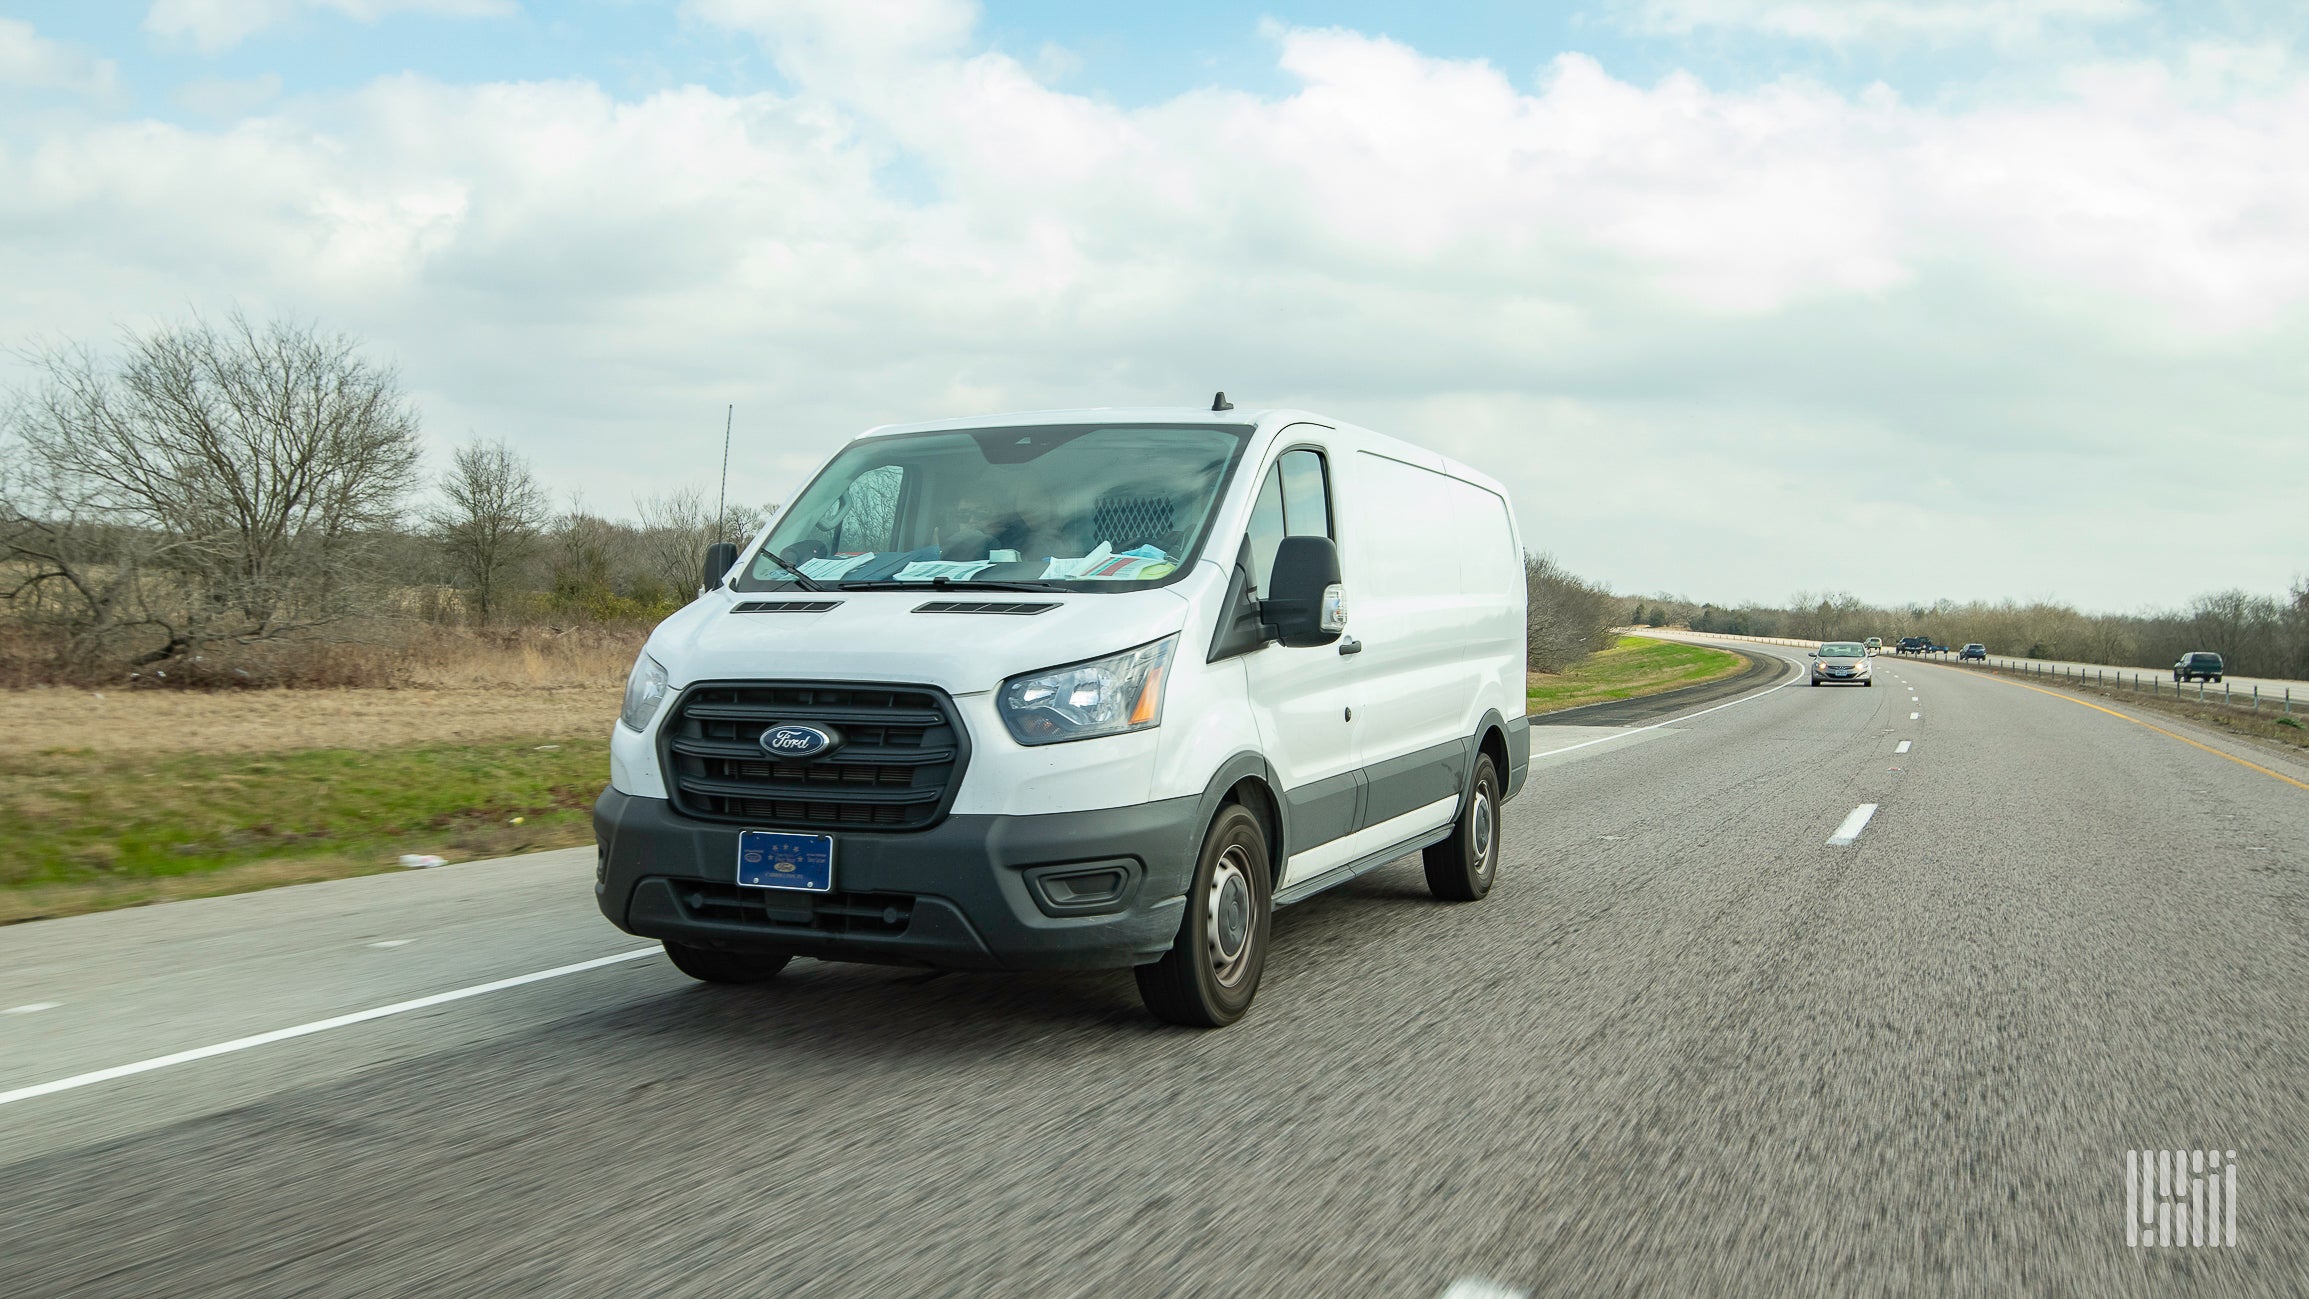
(825, 913)
(900, 759)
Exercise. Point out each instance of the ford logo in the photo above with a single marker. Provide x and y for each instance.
(797, 741)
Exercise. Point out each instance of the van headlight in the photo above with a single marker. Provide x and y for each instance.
(644, 691)
(1106, 696)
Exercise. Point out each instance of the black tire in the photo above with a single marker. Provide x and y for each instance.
(1462, 867)
(709, 966)
(1870, 683)
(1211, 972)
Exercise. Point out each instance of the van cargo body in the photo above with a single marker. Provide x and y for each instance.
(1076, 689)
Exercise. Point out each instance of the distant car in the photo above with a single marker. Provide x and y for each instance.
(1844, 661)
(1912, 645)
(2198, 665)
(1975, 650)
(1875, 643)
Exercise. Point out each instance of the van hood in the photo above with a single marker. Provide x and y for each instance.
(880, 636)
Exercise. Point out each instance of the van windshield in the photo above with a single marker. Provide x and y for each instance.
(1080, 507)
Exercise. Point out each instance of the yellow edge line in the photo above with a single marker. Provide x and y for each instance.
(2127, 717)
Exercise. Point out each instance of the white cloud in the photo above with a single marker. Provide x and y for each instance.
(1842, 22)
(30, 61)
(212, 25)
(1690, 327)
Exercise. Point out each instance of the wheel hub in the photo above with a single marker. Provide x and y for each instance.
(1228, 925)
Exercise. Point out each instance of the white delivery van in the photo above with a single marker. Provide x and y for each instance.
(1074, 689)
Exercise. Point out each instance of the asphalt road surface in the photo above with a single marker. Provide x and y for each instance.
(1687, 1047)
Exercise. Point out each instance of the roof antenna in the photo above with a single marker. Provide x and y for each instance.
(1219, 402)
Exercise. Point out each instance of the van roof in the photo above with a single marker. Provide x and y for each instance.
(1263, 421)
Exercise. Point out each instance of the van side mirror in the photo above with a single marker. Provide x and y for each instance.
(1307, 604)
(721, 557)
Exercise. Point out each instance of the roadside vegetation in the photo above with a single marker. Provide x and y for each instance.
(1566, 618)
(244, 504)
(2257, 635)
(1635, 666)
(88, 831)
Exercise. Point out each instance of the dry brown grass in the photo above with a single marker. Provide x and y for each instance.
(452, 686)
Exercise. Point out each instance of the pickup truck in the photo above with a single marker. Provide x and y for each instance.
(1913, 645)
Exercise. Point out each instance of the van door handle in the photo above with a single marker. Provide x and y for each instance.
(1350, 645)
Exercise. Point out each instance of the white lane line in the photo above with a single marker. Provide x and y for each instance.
(317, 1026)
(1903, 746)
(1475, 1287)
(1638, 730)
(394, 942)
(1852, 826)
(31, 1008)
(1915, 716)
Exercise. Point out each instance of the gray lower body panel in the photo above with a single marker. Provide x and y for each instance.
(972, 892)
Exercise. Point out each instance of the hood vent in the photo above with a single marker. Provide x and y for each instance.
(983, 606)
(786, 606)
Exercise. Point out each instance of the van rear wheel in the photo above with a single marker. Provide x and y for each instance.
(1462, 867)
(707, 965)
(1211, 972)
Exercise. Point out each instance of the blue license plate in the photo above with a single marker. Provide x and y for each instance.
(769, 859)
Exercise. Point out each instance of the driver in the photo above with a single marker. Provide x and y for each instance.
(984, 523)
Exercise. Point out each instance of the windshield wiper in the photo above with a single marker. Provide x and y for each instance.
(801, 579)
(942, 583)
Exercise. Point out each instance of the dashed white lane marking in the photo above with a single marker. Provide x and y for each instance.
(1475, 1287)
(1915, 716)
(31, 1008)
(1852, 826)
(317, 1026)
(394, 942)
(1904, 746)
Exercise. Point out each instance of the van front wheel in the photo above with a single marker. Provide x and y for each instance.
(1461, 868)
(1211, 972)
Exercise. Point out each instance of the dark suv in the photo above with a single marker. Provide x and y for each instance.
(2198, 665)
(1975, 650)
(1913, 645)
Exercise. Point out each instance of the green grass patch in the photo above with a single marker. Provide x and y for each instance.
(111, 829)
(1636, 666)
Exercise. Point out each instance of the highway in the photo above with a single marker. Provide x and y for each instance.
(1688, 1046)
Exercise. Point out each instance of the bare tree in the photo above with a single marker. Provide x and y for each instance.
(1567, 618)
(250, 465)
(676, 528)
(488, 520)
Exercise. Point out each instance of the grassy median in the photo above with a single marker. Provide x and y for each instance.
(1637, 666)
(90, 829)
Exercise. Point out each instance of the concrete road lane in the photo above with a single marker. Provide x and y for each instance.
(1686, 1047)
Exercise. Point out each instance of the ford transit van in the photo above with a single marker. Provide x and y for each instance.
(1075, 689)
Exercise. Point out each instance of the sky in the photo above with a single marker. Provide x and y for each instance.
(1914, 299)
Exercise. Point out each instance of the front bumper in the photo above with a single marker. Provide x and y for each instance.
(971, 892)
(1820, 674)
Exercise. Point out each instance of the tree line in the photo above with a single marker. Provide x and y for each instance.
(213, 486)
(2256, 635)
